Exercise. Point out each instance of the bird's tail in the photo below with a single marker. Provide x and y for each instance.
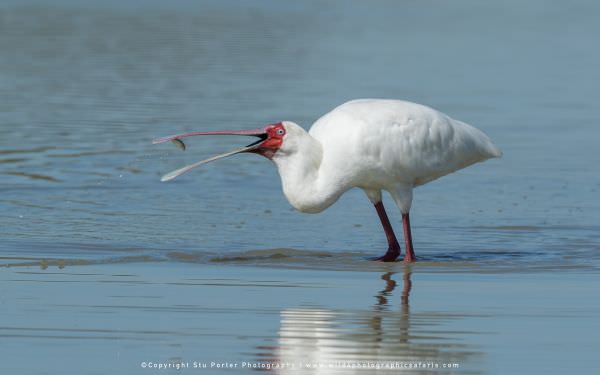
(494, 151)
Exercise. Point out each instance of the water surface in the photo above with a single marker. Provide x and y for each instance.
(509, 248)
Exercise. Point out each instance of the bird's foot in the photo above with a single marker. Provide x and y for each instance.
(409, 257)
(390, 256)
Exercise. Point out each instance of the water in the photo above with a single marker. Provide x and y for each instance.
(85, 86)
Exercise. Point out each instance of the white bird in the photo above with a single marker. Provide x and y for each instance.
(372, 144)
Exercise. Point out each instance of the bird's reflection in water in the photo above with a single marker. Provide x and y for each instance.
(330, 338)
(382, 306)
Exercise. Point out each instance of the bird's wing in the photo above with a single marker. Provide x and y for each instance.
(401, 139)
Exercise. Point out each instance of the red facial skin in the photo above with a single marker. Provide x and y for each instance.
(275, 134)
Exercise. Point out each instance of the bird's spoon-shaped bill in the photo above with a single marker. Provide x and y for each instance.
(177, 140)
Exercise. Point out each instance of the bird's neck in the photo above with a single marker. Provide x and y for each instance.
(305, 185)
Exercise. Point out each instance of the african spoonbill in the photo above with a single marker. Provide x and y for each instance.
(372, 144)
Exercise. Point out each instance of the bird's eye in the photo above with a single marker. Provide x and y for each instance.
(280, 131)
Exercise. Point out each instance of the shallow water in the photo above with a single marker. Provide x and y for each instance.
(87, 85)
(113, 318)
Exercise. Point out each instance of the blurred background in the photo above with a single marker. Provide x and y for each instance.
(86, 85)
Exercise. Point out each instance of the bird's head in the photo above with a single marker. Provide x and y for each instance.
(273, 138)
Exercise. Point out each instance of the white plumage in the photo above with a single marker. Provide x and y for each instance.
(372, 144)
(375, 145)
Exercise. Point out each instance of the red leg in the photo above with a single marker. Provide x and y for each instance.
(393, 251)
(410, 253)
